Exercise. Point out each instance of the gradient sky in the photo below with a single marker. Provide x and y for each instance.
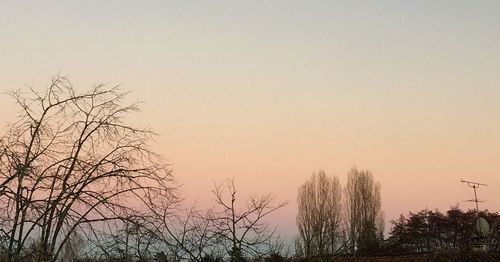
(270, 91)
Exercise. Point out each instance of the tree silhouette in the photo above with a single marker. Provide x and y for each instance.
(71, 164)
(233, 229)
(364, 218)
(243, 228)
(319, 216)
(431, 231)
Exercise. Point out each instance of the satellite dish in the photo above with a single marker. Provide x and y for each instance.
(482, 226)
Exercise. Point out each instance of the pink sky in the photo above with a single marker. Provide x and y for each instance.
(269, 92)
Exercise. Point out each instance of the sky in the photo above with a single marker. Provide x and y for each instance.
(268, 92)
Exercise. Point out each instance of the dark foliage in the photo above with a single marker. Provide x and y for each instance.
(432, 231)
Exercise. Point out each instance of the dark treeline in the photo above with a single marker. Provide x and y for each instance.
(432, 231)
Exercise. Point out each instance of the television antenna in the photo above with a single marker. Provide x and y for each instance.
(482, 227)
(474, 185)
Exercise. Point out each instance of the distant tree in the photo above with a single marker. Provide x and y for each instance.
(456, 229)
(319, 216)
(132, 239)
(432, 231)
(399, 242)
(241, 228)
(189, 234)
(363, 215)
(275, 258)
(418, 230)
(232, 229)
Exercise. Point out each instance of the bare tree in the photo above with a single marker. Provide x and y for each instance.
(242, 229)
(319, 215)
(364, 218)
(134, 239)
(187, 234)
(70, 163)
(227, 230)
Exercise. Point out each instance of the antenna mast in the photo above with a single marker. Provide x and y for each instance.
(474, 185)
(478, 241)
